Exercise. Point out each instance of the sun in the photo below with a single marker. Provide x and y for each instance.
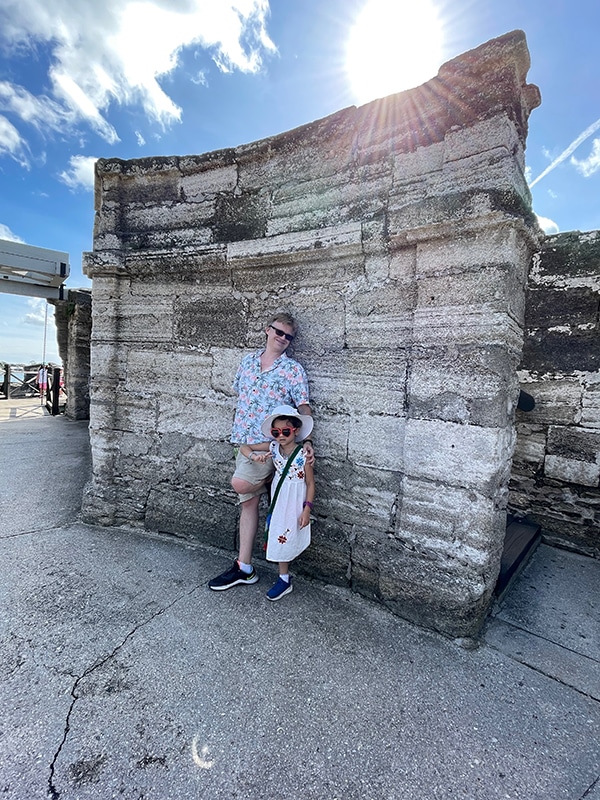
(393, 45)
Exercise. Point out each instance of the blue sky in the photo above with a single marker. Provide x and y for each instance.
(81, 80)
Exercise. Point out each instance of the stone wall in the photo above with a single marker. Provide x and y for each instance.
(556, 472)
(400, 235)
(73, 318)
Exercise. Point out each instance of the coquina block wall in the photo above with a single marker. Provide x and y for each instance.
(556, 473)
(73, 318)
(400, 236)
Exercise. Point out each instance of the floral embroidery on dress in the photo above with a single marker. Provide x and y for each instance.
(283, 538)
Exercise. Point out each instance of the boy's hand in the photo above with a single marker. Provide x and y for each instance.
(261, 456)
(309, 453)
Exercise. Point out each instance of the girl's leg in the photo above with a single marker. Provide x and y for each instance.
(283, 585)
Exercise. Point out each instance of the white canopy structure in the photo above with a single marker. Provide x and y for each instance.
(32, 271)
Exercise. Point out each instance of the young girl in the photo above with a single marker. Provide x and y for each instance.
(293, 490)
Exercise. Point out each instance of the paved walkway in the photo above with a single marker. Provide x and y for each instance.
(123, 676)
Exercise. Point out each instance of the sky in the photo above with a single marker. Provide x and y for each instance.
(82, 80)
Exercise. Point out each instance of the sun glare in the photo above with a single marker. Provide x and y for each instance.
(393, 45)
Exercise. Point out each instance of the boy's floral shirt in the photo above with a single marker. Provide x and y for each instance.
(260, 392)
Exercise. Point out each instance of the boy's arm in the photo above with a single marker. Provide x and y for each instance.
(248, 449)
(307, 444)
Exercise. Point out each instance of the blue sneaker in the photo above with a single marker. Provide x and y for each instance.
(279, 589)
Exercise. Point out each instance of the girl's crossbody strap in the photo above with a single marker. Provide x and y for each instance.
(283, 474)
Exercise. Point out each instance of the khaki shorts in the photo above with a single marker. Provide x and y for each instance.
(253, 472)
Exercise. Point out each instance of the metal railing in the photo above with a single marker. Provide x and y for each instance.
(37, 381)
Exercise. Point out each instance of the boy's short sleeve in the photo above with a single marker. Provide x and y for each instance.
(299, 386)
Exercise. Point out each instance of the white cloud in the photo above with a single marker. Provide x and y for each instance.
(82, 105)
(140, 139)
(21, 341)
(80, 174)
(37, 316)
(6, 233)
(588, 166)
(42, 112)
(569, 150)
(115, 52)
(11, 142)
(547, 225)
(200, 79)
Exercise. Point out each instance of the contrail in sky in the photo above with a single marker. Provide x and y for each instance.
(570, 149)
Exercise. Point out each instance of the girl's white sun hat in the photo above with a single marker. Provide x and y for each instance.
(288, 411)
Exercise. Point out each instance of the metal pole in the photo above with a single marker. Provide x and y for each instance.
(55, 390)
(44, 351)
(45, 326)
(6, 386)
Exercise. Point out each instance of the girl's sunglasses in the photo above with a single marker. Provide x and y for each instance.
(276, 432)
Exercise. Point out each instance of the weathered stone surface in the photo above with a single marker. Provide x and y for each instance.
(179, 374)
(73, 325)
(422, 589)
(563, 352)
(572, 470)
(395, 233)
(199, 419)
(209, 319)
(556, 479)
(577, 443)
(377, 441)
(552, 307)
(328, 557)
(463, 384)
(210, 518)
(149, 322)
(194, 187)
(568, 259)
(450, 519)
(530, 448)
(590, 402)
(468, 456)
(339, 385)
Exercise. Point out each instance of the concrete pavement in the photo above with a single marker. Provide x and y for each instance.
(123, 676)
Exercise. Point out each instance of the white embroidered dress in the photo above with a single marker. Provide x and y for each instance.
(286, 539)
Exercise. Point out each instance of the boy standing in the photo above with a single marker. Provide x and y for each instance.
(265, 379)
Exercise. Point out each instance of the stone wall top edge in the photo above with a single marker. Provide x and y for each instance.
(187, 164)
(568, 238)
(417, 117)
(509, 46)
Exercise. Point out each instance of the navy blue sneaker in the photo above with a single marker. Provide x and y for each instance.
(232, 577)
(279, 589)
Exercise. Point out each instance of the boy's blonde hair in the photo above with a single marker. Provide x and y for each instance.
(284, 317)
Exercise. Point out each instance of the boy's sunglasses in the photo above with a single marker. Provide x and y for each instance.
(276, 432)
(279, 332)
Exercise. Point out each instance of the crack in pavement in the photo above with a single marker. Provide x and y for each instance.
(31, 532)
(531, 632)
(540, 671)
(590, 788)
(53, 792)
